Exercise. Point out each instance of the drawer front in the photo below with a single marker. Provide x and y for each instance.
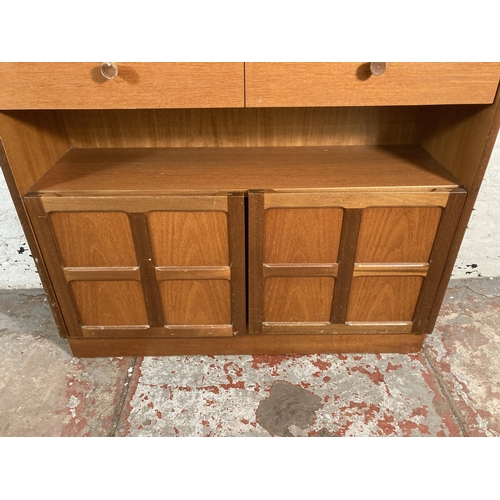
(137, 85)
(352, 84)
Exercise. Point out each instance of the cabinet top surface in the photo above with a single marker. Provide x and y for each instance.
(208, 170)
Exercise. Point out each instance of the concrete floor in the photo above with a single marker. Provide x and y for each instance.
(452, 388)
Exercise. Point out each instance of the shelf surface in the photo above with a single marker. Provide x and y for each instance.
(211, 170)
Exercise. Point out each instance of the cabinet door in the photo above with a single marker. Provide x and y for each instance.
(145, 266)
(347, 262)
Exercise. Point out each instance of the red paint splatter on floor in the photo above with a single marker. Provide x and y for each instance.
(245, 421)
(232, 385)
(386, 424)
(158, 414)
(210, 388)
(238, 371)
(205, 423)
(421, 411)
(272, 361)
(327, 379)
(391, 367)
(376, 376)
(321, 365)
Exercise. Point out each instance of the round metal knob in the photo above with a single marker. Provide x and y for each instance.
(377, 68)
(109, 70)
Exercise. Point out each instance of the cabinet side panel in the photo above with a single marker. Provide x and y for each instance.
(457, 136)
(483, 136)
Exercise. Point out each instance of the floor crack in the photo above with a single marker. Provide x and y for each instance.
(121, 402)
(447, 395)
(492, 296)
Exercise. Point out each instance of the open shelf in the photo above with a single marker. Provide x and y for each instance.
(210, 170)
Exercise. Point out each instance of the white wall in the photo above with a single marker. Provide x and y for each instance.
(479, 255)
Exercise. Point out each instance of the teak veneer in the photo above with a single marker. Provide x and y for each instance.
(260, 208)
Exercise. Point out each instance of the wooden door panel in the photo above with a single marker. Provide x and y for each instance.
(146, 266)
(193, 302)
(298, 300)
(397, 234)
(110, 303)
(379, 254)
(383, 298)
(189, 238)
(302, 235)
(94, 239)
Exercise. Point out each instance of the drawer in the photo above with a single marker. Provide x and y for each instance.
(352, 84)
(137, 85)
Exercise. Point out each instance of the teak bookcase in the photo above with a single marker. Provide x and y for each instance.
(245, 208)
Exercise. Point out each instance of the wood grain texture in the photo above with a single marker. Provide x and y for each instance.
(295, 300)
(245, 127)
(290, 270)
(490, 126)
(353, 198)
(136, 203)
(106, 303)
(193, 273)
(191, 170)
(157, 332)
(255, 245)
(48, 246)
(32, 242)
(383, 298)
(94, 239)
(440, 252)
(392, 269)
(348, 242)
(142, 244)
(351, 84)
(349, 328)
(138, 85)
(202, 302)
(33, 142)
(397, 234)
(237, 255)
(189, 238)
(457, 136)
(302, 235)
(102, 274)
(249, 344)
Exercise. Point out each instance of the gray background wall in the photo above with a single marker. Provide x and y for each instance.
(479, 254)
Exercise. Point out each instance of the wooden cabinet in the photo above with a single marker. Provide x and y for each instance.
(261, 208)
(355, 262)
(163, 266)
